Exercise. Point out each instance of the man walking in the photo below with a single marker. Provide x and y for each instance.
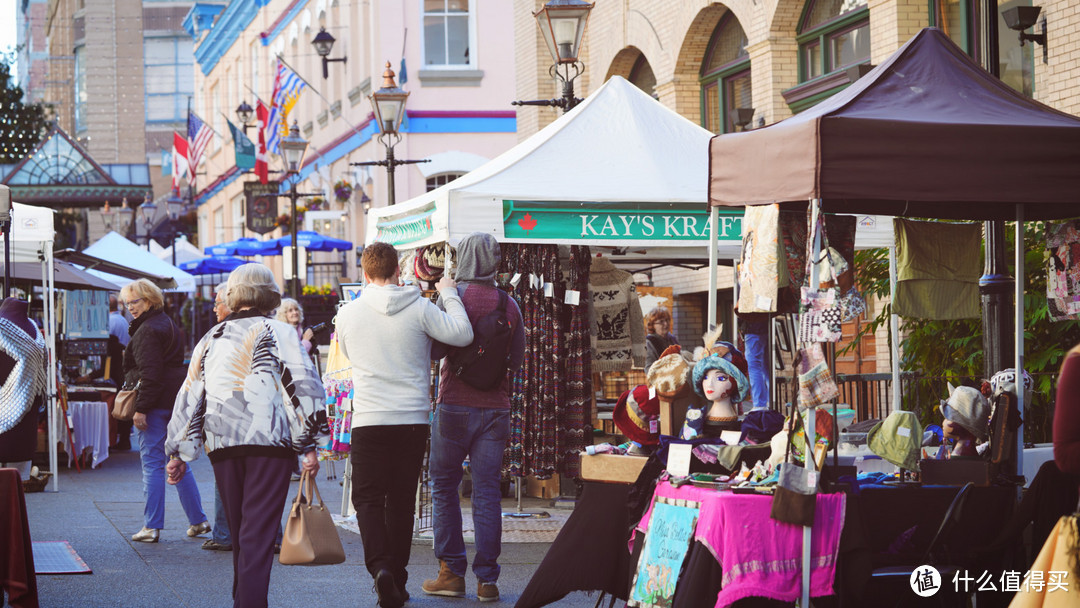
(474, 423)
(118, 324)
(387, 334)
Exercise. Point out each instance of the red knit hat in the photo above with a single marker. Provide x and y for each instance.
(638, 416)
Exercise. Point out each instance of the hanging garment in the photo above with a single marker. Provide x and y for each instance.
(26, 380)
(1063, 270)
(937, 268)
(574, 418)
(618, 326)
(759, 271)
(792, 236)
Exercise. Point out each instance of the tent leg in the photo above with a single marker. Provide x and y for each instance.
(714, 218)
(1018, 363)
(894, 333)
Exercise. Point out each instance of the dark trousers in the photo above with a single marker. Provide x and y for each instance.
(386, 463)
(253, 491)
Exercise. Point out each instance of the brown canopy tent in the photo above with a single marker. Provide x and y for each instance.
(928, 133)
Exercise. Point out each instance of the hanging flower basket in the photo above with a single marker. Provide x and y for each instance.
(316, 202)
(342, 190)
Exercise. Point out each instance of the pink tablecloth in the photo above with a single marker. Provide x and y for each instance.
(761, 557)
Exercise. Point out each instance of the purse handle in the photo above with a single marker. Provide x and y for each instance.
(795, 424)
(306, 480)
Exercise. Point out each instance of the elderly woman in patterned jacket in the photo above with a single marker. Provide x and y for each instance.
(252, 395)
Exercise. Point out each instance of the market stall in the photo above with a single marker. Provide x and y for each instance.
(116, 249)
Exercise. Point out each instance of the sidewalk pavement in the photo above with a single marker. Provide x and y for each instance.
(98, 510)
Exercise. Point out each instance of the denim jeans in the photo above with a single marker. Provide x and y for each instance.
(758, 368)
(479, 433)
(221, 523)
(152, 455)
(386, 462)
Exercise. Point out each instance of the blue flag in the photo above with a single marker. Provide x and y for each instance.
(243, 148)
(403, 75)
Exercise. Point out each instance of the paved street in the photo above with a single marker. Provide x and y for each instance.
(97, 512)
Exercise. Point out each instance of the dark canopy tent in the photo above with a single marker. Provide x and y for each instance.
(928, 133)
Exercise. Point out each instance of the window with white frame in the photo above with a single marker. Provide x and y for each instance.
(238, 216)
(442, 179)
(169, 77)
(80, 88)
(448, 35)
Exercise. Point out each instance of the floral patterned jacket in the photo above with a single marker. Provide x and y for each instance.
(250, 391)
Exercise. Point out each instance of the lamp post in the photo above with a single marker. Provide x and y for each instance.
(562, 25)
(147, 209)
(323, 42)
(292, 152)
(245, 113)
(389, 106)
(5, 225)
(176, 207)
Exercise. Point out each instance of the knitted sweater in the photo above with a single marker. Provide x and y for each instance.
(617, 325)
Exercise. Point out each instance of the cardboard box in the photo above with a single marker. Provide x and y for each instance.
(617, 468)
(957, 472)
(546, 488)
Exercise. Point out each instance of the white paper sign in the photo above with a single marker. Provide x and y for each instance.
(517, 279)
(903, 431)
(549, 290)
(678, 459)
(573, 297)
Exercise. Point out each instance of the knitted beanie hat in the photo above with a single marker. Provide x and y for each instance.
(726, 358)
(424, 270)
(638, 416)
(670, 374)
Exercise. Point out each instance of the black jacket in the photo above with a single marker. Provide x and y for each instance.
(154, 356)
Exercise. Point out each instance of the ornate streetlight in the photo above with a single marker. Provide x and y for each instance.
(292, 153)
(562, 26)
(323, 42)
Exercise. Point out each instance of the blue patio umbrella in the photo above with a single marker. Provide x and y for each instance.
(218, 264)
(313, 241)
(246, 246)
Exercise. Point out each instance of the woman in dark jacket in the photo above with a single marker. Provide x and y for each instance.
(154, 360)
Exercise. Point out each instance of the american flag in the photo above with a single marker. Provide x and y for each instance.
(198, 134)
(287, 89)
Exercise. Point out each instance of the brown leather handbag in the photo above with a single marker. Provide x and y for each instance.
(310, 536)
(124, 404)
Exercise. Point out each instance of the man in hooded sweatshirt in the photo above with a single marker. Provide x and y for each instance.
(472, 423)
(387, 334)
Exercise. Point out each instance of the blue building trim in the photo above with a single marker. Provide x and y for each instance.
(462, 125)
(201, 18)
(284, 20)
(232, 22)
(219, 184)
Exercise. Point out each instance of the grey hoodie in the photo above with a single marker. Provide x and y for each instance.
(386, 334)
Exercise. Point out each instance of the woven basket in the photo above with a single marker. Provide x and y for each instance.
(36, 484)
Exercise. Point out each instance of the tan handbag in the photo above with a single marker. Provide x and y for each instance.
(124, 404)
(310, 536)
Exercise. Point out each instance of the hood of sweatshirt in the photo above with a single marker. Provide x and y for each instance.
(389, 299)
(478, 257)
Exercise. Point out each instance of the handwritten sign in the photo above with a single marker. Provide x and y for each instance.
(671, 528)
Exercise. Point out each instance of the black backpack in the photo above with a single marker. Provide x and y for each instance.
(483, 363)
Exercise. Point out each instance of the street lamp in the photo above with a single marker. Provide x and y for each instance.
(323, 42)
(562, 25)
(148, 208)
(176, 207)
(389, 106)
(245, 113)
(292, 152)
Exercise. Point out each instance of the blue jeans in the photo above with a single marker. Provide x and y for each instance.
(152, 455)
(220, 534)
(758, 368)
(479, 433)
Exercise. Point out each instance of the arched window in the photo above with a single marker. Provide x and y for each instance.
(641, 76)
(442, 179)
(725, 78)
(833, 35)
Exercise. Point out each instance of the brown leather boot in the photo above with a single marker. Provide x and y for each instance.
(487, 592)
(447, 584)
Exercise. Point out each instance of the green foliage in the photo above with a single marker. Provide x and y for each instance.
(21, 125)
(940, 351)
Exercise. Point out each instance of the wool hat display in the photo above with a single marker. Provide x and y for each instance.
(968, 408)
(425, 272)
(670, 374)
(897, 439)
(726, 358)
(759, 426)
(1005, 382)
(638, 416)
(435, 256)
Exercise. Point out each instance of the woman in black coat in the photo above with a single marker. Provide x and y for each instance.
(154, 360)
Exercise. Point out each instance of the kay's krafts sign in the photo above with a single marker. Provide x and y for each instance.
(261, 210)
(615, 222)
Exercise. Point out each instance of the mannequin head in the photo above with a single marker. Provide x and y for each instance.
(14, 310)
(720, 378)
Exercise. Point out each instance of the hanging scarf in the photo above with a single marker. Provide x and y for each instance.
(27, 379)
(574, 416)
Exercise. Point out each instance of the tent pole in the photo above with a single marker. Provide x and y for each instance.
(48, 281)
(714, 217)
(894, 332)
(1018, 363)
(811, 422)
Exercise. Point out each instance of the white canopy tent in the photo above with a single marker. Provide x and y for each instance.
(116, 249)
(31, 240)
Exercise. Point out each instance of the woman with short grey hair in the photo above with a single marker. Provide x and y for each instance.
(252, 396)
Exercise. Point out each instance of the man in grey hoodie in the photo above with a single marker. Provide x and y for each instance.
(387, 334)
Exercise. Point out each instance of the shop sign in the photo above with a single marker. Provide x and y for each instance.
(409, 229)
(615, 221)
(261, 212)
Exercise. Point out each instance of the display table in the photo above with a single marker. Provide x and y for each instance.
(17, 577)
(90, 423)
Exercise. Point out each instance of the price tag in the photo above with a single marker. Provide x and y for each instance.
(678, 460)
(573, 297)
(811, 479)
(549, 290)
(903, 431)
(532, 281)
(654, 426)
(763, 302)
(517, 279)
(652, 393)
